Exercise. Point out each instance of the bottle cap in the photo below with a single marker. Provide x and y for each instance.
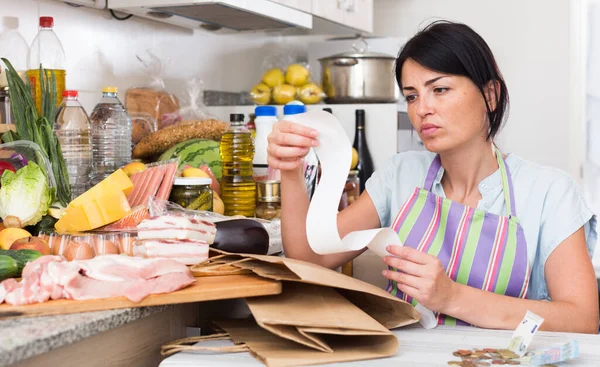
(46, 22)
(236, 117)
(110, 90)
(265, 111)
(293, 109)
(360, 113)
(70, 93)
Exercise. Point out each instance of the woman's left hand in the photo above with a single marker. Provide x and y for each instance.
(421, 276)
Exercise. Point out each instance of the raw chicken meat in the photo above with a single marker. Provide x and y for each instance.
(188, 252)
(50, 277)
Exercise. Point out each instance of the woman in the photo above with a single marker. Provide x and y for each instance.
(486, 236)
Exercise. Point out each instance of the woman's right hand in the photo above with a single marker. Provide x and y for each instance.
(288, 145)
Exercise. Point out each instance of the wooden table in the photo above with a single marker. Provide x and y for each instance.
(418, 347)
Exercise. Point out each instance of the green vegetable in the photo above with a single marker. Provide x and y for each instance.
(24, 196)
(38, 129)
(9, 268)
(46, 224)
(22, 257)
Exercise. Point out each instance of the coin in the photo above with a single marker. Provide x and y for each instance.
(507, 354)
(482, 364)
(455, 363)
(513, 362)
(490, 350)
(464, 352)
(498, 361)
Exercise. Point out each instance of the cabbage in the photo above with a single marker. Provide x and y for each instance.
(24, 196)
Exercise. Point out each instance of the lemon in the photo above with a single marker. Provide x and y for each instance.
(194, 172)
(134, 167)
(354, 159)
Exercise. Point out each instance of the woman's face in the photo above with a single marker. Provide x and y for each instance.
(447, 111)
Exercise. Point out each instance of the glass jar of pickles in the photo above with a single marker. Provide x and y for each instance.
(268, 201)
(193, 193)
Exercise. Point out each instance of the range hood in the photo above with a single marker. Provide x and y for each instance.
(224, 16)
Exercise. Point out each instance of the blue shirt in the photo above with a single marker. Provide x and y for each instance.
(549, 204)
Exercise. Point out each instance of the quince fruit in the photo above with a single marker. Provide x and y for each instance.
(354, 159)
(283, 94)
(297, 75)
(310, 93)
(134, 167)
(273, 77)
(218, 206)
(261, 94)
(194, 172)
(9, 235)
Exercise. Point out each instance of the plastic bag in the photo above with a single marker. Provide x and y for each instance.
(17, 154)
(193, 108)
(284, 79)
(151, 99)
(159, 207)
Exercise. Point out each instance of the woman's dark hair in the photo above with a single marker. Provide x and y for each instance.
(455, 48)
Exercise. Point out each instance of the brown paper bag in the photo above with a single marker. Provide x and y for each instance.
(321, 316)
(388, 310)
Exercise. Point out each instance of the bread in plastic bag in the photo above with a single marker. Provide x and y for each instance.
(192, 107)
(151, 99)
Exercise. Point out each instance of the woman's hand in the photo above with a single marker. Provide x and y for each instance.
(421, 276)
(288, 145)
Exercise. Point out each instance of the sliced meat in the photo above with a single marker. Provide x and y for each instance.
(188, 252)
(177, 227)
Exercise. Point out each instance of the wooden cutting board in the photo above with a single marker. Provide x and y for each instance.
(203, 289)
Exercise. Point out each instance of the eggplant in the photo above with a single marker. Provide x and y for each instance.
(242, 236)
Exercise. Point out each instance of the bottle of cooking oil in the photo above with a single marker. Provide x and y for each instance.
(46, 50)
(238, 189)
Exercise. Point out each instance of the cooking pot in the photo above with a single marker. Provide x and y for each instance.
(359, 77)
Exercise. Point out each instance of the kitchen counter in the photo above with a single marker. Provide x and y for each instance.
(25, 337)
(418, 347)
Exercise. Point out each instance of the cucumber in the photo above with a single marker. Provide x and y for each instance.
(22, 257)
(9, 268)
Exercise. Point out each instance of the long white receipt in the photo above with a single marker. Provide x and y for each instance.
(335, 154)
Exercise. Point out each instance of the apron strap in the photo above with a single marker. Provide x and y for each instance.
(507, 185)
(434, 168)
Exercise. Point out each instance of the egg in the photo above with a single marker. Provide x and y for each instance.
(103, 246)
(78, 251)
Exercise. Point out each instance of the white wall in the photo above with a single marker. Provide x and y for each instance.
(530, 40)
(102, 51)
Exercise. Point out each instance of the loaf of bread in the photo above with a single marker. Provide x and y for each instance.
(158, 142)
(154, 102)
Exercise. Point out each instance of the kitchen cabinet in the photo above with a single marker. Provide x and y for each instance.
(357, 14)
(303, 5)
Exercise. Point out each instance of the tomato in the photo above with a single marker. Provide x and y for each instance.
(6, 166)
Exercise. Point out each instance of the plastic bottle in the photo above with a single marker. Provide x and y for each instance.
(14, 48)
(46, 50)
(238, 189)
(266, 117)
(311, 162)
(111, 135)
(72, 127)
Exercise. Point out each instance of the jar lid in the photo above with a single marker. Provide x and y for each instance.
(183, 181)
(268, 191)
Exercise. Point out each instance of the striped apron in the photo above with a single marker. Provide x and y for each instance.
(477, 248)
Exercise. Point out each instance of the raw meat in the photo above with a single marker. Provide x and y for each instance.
(50, 277)
(177, 227)
(130, 221)
(188, 252)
